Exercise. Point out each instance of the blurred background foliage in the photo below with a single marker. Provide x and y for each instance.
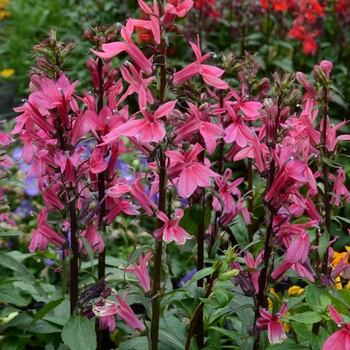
(289, 35)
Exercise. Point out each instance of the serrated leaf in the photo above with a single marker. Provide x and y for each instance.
(44, 310)
(313, 297)
(79, 333)
(301, 329)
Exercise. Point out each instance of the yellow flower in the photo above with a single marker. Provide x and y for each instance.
(6, 73)
(269, 301)
(337, 257)
(295, 290)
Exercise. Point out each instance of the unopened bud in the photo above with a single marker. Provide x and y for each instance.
(228, 275)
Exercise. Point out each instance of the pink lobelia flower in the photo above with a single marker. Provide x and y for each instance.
(153, 24)
(141, 271)
(341, 338)
(191, 173)
(210, 74)
(120, 308)
(195, 123)
(45, 234)
(272, 324)
(171, 231)
(175, 8)
(149, 129)
(339, 188)
(136, 190)
(113, 49)
(227, 190)
(56, 95)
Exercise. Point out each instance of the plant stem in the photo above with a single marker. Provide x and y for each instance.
(325, 171)
(74, 271)
(161, 206)
(158, 258)
(101, 178)
(198, 312)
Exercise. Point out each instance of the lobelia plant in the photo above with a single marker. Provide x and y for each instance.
(245, 177)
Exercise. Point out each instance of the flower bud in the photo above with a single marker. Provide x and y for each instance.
(228, 275)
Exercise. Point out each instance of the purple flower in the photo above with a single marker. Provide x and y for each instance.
(24, 208)
(187, 277)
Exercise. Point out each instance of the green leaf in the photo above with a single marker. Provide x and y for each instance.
(302, 330)
(288, 344)
(201, 274)
(139, 343)
(13, 183)
(308, 317)
(10, 233)
(8, 261)
(342, 219)
(172, 338)
(22, 321)
(313, 296)
(223, 296)
(64, 274)
(11, 295)
(229, 334)
(240, 231)
(285, 63)
(323, 245)
(137, 253)
(89, 251)
(193, 218)
(43, 311)
(79, 333)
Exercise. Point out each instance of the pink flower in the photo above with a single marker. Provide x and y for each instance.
(227, 190)
(191, 173)
(339, 188)
(210, 74)
(341, 338)
(175, 8)
(153, 24)
(171, 231)
(195, 123)
(141, 271)
(113, 49)
(93, 237)
(149, 129)
(253, 264)
(97, 163)
(45, 233)
(136, 190)
(272, 324)
(292, 171)
(56, 95)
(121, 308)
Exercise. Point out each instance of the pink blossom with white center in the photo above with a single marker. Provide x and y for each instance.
(171, 231)
(272, 324)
